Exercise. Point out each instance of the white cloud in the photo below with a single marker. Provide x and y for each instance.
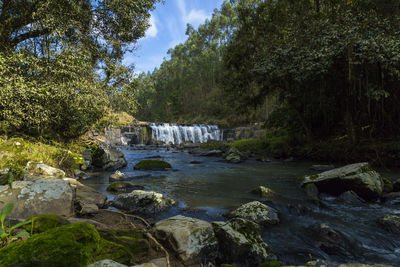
(194, 17)
(152, 31)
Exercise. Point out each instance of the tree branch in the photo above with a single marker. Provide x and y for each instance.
(29, 35)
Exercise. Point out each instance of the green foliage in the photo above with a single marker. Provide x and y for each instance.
(250, 145)
(16, 152)
(214, 145)
(6, 233)
(148, 164)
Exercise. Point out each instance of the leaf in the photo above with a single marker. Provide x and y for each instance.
(5, 211)
(22, 234)
(20, 224)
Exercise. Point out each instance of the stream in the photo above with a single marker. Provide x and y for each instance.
(211, 188)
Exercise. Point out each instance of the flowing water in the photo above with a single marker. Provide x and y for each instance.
(211, 188)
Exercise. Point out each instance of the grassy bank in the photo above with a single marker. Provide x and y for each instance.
(16, 152)
(279, 144)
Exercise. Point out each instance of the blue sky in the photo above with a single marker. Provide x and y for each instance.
(168, 26)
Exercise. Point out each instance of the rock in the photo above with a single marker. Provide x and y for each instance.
(351, 198)
(88, 200)
(195, 162)
(358, 177)
(257, 212)
(234, 155)
(34, 171)
(148, 264)
(391, 223)
(211, 153)
(123, 187)
(144, 202)
(192, 239)
(396, 186)
(117, 175)
(362, 265)
(81, 174)
(152, 165)
(160, 262)
(108, 157)
(311, 191)
(322, 167)
(31, 198)
(392, 198)
(106, 263)
(264, 192)
(44, 222)
(240, 242)
(387, 185)
(190, 145)
(331, 241)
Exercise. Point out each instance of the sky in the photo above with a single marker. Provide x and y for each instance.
(168, 25)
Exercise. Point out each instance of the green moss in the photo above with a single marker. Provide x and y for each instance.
(124, 246)
(214, 145)
(387, 185)
(314, 177)
(69, 245)
(118, 186)
(152, 165)
(44, 222)
(78, 245)
(270, 264)
(250, 145)
(227, 265)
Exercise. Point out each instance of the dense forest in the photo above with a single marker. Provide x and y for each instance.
(317, 68)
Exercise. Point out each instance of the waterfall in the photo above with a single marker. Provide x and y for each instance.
(178, 134)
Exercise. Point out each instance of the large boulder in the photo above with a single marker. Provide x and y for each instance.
(31, 198)
(143, 202)
(193, 240)
(108, 157)
(240, 242)
(34, 171)
(391, 223)
(358, 177)
(257, 212)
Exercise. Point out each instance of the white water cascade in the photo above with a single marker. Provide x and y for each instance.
(178, 133)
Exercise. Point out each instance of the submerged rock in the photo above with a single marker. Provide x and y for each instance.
(31, 198)
(358, 177)
(240, 242)
(144, 202)
(35, 171)
(350, 197)
(257, 212)
(331, 241)
(116, 176)
(322, 167)
(391, 223)
(263, 192)
(311, 191)
(152, 165)
(192, 239)
(108, 157)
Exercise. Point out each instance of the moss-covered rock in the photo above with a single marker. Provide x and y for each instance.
(387, 185)
(69, 245)
(391, 223)
(123, 187)
(77, 244)
(155, 165)
(44, 222)
(263, 192)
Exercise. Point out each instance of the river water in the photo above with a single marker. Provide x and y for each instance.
(211, 188)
